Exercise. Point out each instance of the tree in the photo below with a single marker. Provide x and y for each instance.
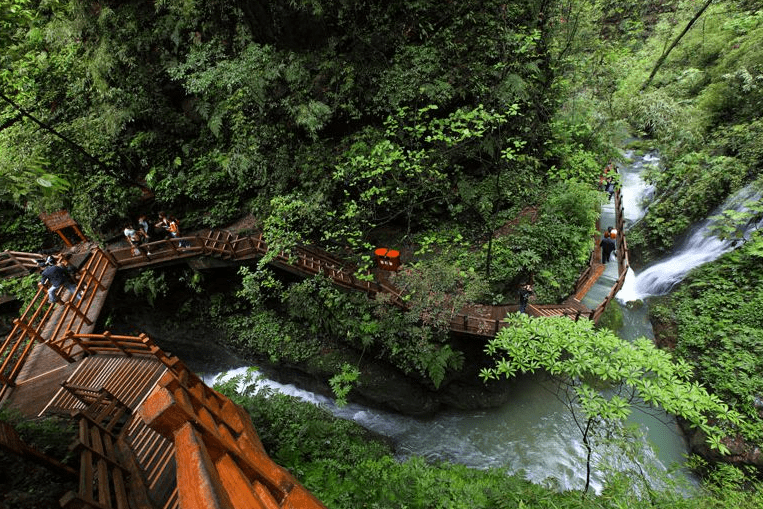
(410, 168)
(602, 378)
(675, 42)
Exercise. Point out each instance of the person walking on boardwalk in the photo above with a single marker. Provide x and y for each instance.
(174, 229)
(144, 227)
(65, 262)
(607, 246)
(163, 225)
(525, 292)
(609, 188)
(57, 276)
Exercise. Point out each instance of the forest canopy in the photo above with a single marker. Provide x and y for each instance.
(473, 134)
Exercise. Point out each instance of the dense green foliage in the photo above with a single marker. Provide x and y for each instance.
(718, 317)
(328, 316)
(469, 133)
(346, 468)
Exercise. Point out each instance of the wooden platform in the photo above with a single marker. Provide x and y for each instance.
(31, 396)
(596, 271)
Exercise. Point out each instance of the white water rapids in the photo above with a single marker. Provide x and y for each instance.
(699, 247)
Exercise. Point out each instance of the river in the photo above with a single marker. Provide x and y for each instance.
(533, 433)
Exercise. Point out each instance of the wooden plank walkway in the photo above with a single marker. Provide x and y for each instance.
(596, 271)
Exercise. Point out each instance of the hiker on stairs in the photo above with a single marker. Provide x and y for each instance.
(57, 276)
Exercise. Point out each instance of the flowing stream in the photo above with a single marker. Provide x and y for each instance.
(533, 433)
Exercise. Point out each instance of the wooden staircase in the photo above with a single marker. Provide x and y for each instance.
(152, 434)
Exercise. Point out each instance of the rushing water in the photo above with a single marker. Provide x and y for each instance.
(697, 248)
(533, 432)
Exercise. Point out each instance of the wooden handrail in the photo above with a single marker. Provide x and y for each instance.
(16, 263)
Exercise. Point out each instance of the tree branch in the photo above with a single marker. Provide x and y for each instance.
(675, 42)
(100, 164)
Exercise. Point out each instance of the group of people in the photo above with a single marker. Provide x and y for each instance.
(167, 227)
(59, 271)
(607, 181)
(608, 244)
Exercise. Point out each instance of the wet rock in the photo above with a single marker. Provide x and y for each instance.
(742, 453)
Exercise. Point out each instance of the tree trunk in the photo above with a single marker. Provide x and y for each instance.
(589, 452)
(675, 42)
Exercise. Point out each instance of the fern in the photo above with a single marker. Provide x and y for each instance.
(343, 382)
(147, 284)
(440, 360)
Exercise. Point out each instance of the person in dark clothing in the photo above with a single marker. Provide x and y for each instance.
(163, 226)
(525, 292)
(57, 276)
(609, 187)
(65, 262)
(607, 247)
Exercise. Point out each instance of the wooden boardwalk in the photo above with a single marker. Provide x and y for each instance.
(151, 433)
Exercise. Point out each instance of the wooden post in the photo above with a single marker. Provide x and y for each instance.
(110, 257)
(117, 344)
(71, 337)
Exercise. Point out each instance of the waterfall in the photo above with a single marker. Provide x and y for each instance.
(698, 248)
(636, 193)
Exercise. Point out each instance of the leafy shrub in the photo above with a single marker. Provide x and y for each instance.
(263, 332)
(100, 202)
(22, 230)
(23, 288)
(147, 283)
(717, 311)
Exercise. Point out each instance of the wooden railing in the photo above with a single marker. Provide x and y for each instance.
(221, 462)
(106, 479)
(222, 244)
(74, 314)
(15, 263)
(27, 330)
(42, 322)
(216, 450)
(311, 261)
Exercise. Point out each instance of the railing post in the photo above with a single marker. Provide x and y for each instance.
(72, 337)
(109, 256)
(231, 246)
(116, 344)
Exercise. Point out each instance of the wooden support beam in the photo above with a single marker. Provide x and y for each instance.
(239, 489)
(70, 306)
(199, 483)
